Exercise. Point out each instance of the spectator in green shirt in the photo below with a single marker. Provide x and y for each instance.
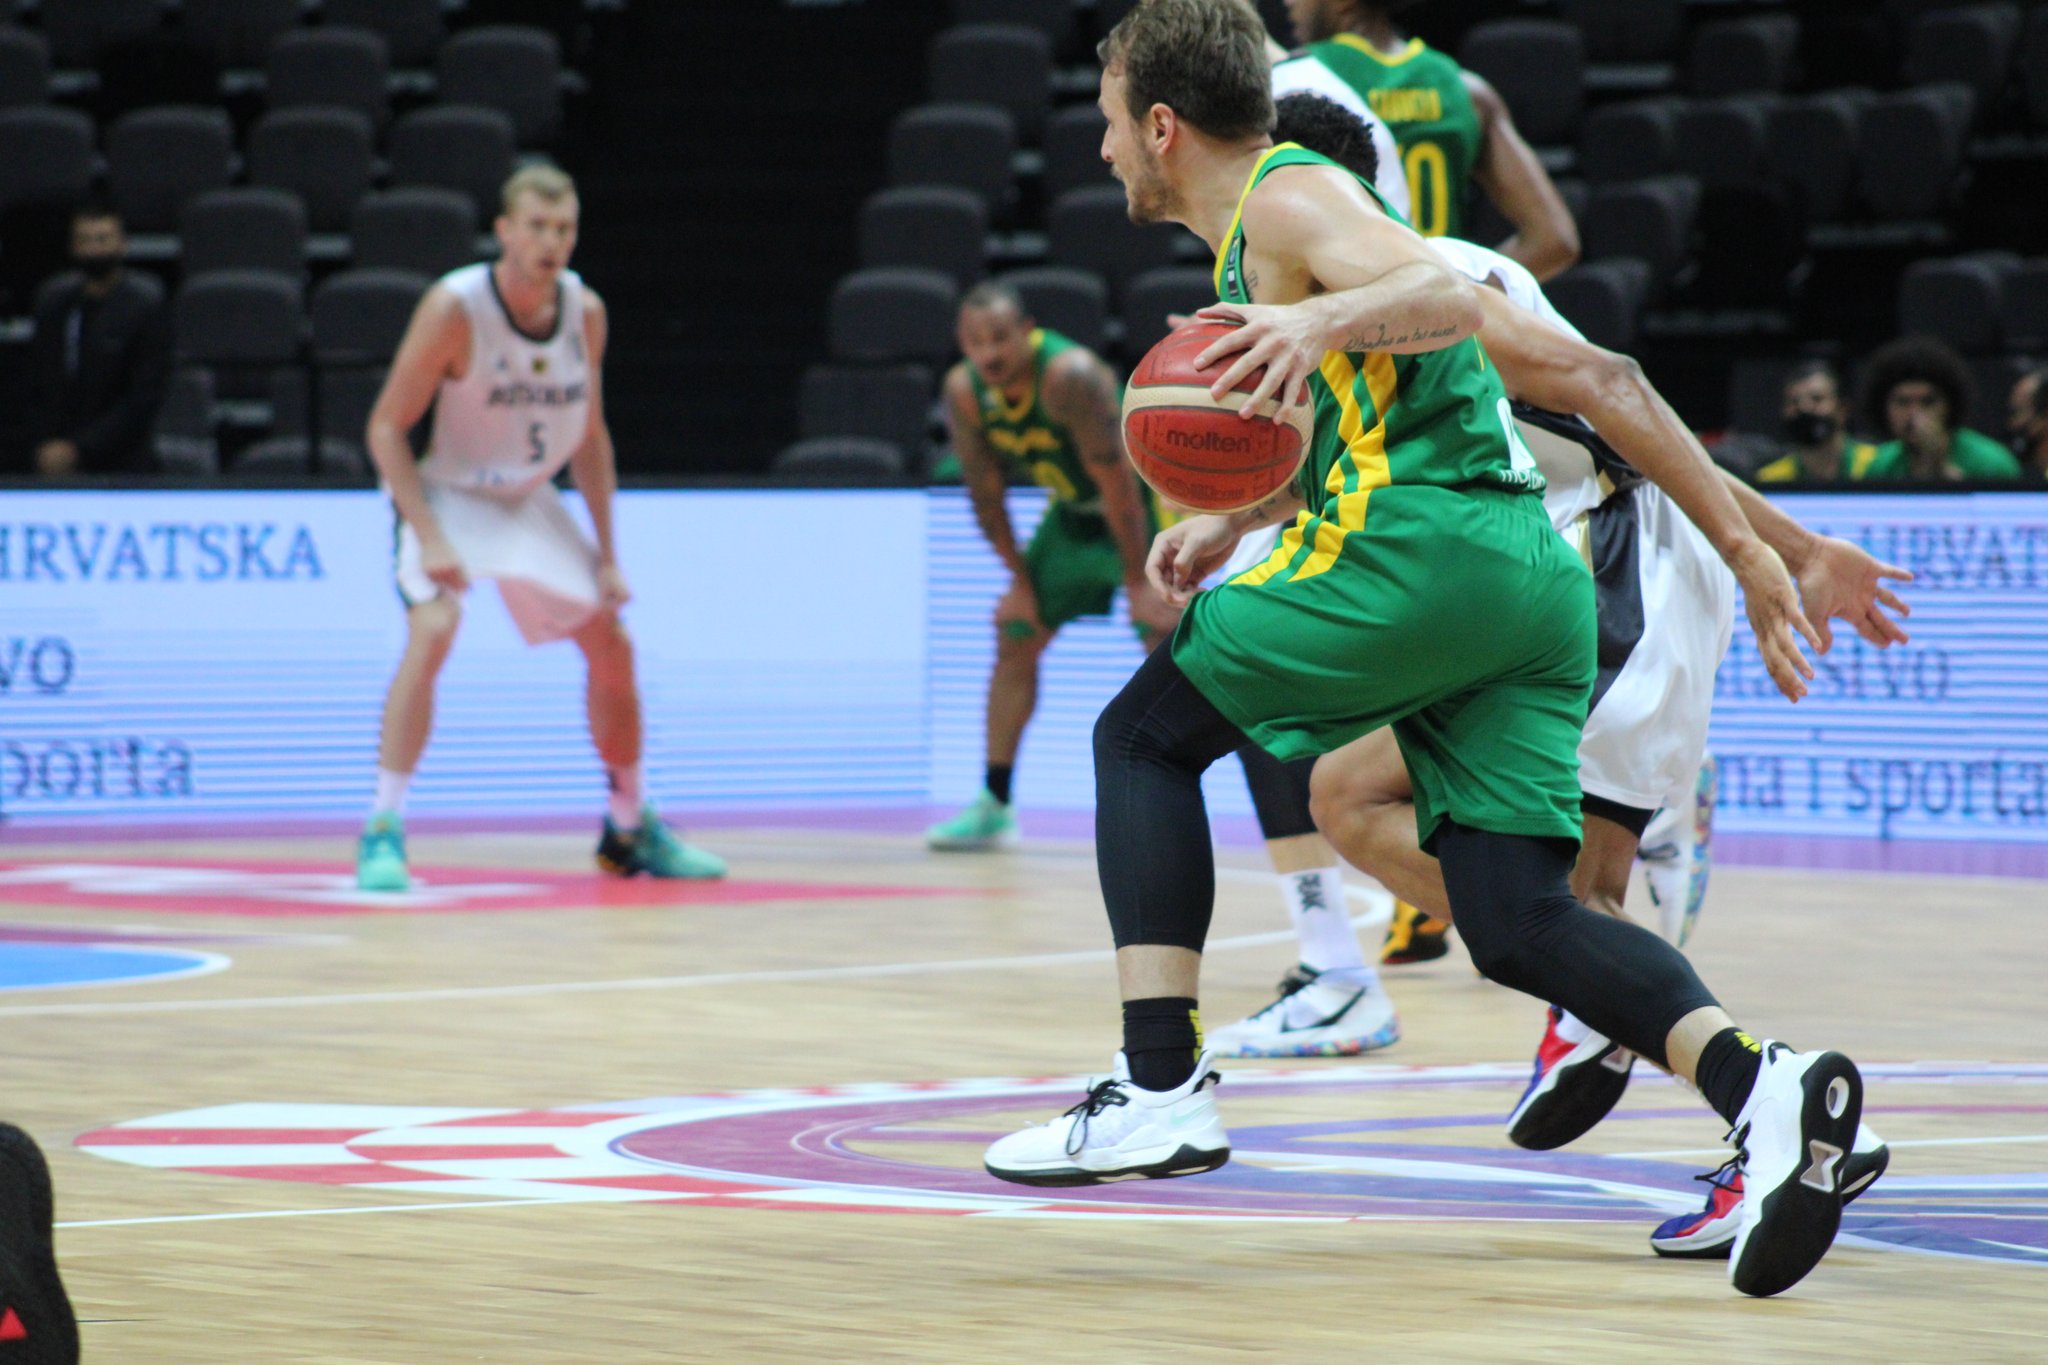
(1816, 429)
(2026, 423)
(1918, 389)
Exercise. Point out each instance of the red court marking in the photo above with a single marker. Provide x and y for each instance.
(270, 889)
(225, 1137)
(538, 1118)
(361, 1173)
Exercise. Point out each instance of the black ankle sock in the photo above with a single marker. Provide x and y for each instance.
(1161, 1040)
(1727, 1071)
(997, 780)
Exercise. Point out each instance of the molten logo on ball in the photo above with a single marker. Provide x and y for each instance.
(1194, 450)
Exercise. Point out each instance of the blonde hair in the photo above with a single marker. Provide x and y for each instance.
(551, 183)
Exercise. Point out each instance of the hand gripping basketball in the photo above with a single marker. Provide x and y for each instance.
(1196, 451)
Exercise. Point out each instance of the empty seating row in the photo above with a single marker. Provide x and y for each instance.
(157, 159)
(1981, 304)
(513, 69)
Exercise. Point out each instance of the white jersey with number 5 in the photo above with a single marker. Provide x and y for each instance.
(522, 406)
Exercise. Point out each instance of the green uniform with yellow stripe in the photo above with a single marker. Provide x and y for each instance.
(1073, 562)
(1420, 94)
(1858, 458)
(1422, 587)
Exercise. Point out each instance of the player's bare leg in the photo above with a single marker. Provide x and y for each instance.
(989, 822)
(635, 838)
(430, 630)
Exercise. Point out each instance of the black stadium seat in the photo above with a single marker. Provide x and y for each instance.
(1053, 18)
(1724, 141)
(46, 156)
(428, 230)
(2026, 306)
(24, 68)
(1007, 65)
(1814, 143)
(340, 67)
(1603, 300)
(1091, 229)
(1539, 67)
(1960, 300)
(894, 315)
(1628, 141)
(509, 67)
(1628, 30)
(287, 457)
(1910, 150)
(966, 146)
(244, 229)
(1073, 150)
(2033, 67)
(157, 159)
(1153, 296)
(457, 147)
(890, 403)
(80, 29)
(841, 459)
(360, 316)
(412, 29)
(239, 32)
(1649, 220)
(1972, 46)
(1752, 237)
(238, 318)
(1071, 302)
(1742, 56)
(926, 225)
(186, 445)
(325, 156)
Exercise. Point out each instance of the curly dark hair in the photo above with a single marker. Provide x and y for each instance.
(1203, 59)
(1325, 126)
(1915, 359)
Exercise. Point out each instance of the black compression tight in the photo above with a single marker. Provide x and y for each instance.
(1152, 745)
(1511, 897)
(1279, 792)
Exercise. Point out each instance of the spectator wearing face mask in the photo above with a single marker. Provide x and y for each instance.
(99, 359)
(1816, 428)
(2026, 423)
(1918, 389)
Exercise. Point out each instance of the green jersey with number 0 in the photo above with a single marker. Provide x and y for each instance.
(1420, 95)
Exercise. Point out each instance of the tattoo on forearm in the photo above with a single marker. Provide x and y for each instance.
(1380, 340)
(1251, 283)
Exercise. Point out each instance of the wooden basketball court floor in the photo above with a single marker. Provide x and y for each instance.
(457, 1132)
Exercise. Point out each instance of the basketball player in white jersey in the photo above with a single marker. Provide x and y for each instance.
(508, 356)
(1666, 612)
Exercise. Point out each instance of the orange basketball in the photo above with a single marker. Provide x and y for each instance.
(1197, 452)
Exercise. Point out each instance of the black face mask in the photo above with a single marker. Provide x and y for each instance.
(1809, 429)
(99, 269)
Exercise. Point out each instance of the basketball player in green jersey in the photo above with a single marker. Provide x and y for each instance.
(1027, 400)
(1452, 127)
(1420, 586)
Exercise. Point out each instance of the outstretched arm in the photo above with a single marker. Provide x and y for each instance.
(436, 344)
(980, 470)
(1543, 365)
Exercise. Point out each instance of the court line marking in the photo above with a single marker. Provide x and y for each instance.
(308, 1213)
(1889, 1142)
(636, 983)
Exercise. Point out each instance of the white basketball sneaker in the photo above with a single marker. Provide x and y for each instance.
(1315, 1016)
(1120, 1132)
(1793, 1134)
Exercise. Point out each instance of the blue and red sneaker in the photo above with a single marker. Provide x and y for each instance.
(1710, 1233)
(1573, 1087)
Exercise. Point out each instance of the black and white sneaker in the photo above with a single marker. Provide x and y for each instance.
(1794, 1134)
(36, 1322)
(1120, 1132)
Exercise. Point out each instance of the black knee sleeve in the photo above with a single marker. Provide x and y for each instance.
(1279, 792)
(1152, 745)
(1511, 897)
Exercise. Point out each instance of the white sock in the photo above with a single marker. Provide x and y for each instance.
(1573, 1029)
(1322, 925)
(626, 796)
(390, 792)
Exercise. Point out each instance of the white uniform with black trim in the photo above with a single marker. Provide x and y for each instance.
(500, 434)
(1647, 734)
